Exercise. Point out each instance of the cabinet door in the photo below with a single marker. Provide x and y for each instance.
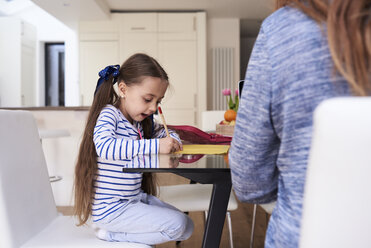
(28, 76)
(139, 22)
(177, 22)
(107, 30)
(179, 59)
(28, 65)
(95, 56)
(138, 43)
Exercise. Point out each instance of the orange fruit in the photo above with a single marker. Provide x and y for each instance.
(226, 158)
(230, 115)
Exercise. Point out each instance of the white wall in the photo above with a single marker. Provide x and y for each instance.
(222, 32)
(10, 52)
(49, 29)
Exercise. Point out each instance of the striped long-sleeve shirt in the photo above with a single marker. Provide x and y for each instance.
(289, 73)
(118, 145)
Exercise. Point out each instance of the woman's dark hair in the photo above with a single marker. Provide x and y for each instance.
(132, 71)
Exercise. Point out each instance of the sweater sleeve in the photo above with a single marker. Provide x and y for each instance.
(255, 145)
(145, 161)
(109, 146)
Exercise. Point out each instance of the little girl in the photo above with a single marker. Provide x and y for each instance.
(119, 127)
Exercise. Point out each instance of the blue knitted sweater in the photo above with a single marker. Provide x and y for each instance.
(289, 73)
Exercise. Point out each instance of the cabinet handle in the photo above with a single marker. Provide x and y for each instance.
(53, 179)
(138, 28)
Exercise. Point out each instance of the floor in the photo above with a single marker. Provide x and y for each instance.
(241, 222)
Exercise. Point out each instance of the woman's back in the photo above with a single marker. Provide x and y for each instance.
(290, 72)
(295, 95)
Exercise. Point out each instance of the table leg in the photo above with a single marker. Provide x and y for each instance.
(216, 216)
(218, 204)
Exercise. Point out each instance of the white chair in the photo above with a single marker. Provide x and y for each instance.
(28, 214)
(337, 197)
(268, 208)
(53, 133)
(195, 197)
(209, 119)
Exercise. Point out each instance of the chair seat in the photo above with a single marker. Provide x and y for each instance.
(191, 197)
(268, 207)
(63, 232)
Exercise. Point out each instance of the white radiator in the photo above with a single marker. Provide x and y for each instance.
(222, 75)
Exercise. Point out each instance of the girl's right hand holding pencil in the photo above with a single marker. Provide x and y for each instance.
(169, 145)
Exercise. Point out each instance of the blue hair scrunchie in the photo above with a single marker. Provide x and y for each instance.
(104, 75)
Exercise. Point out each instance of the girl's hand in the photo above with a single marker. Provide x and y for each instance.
(169, 145)
(168, 161)
(174, 162)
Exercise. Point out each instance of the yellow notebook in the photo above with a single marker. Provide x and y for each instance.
(204, 149)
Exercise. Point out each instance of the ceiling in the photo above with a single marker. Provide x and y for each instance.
(69, 11)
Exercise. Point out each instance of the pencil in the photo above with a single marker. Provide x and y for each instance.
(163, 121)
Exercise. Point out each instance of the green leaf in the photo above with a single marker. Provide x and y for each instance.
(231, 104)
(237, 103)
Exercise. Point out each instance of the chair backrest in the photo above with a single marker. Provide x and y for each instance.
(26, 199)
(337, 198)
(209, 119)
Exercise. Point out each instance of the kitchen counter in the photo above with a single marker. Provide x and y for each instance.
(60, 108)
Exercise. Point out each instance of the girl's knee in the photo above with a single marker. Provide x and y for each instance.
(183, 228)
(188, 228)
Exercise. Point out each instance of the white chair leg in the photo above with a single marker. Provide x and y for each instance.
(230, 229)
(253, 227)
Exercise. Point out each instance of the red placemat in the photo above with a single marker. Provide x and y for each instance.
(196, 136)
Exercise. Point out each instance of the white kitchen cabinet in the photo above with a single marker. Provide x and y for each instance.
(28, 76)
(181, 51)
(176, 40)
(17, 63)
(99, 47)
(179, 58)
(132, 43)
(177, 22)
(138, 34)
(95, 56)
(138, 22)
(99, 30)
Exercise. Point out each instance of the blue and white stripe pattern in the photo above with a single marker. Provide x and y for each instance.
(118, 145)
(289, 73)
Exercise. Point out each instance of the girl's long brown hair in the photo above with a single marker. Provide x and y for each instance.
(132, 71)
(349, 36)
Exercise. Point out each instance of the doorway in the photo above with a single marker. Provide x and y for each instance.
(54, 74)
(249, 30)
